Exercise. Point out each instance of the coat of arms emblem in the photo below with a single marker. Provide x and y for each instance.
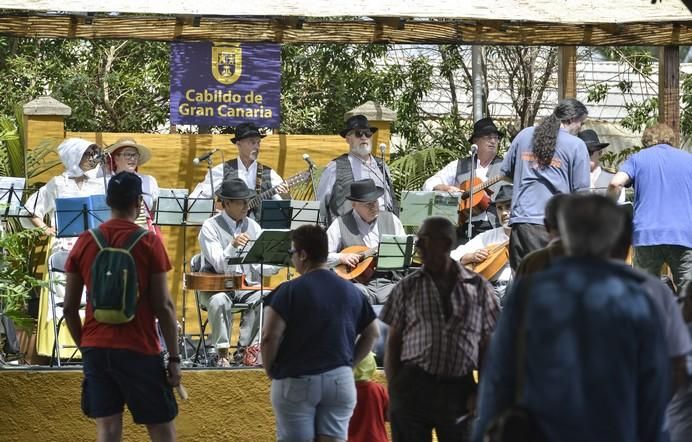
(226, 63)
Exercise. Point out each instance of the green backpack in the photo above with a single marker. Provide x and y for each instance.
(114, 288)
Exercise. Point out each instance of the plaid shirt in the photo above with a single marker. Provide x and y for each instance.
(438, 347)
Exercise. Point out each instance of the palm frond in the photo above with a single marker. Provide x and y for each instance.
(410, 171)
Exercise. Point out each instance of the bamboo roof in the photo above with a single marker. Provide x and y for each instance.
(526, 22)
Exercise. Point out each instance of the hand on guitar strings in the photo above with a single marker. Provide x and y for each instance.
(475, 257)
(349, 259)
(241, 240)
(282, 189)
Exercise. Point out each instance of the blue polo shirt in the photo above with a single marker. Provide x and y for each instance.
(662, 178)
(533, 185)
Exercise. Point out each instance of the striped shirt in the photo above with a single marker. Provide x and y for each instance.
(439, 347)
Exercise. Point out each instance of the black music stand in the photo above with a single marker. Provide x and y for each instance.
(395, 252)
(75, 215)
(304, 212)
(11, 191)
(198, 210)
(275, 214)
(271, 247)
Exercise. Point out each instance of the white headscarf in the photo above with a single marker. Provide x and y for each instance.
(71, 151)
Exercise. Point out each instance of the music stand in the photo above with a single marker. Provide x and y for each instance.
(275, 214)
(77, 214)
(11, 190)
(304, 212)
(395, 252)
(271, 247)
(417, 206)
(198, 210)
(170, 208)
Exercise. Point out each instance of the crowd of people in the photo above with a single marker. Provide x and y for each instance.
(534, 327)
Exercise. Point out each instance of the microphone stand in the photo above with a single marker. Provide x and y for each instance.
(211, 183)
(474, 152)
(387, 190)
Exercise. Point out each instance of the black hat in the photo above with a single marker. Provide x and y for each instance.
(124, 188)
(484, 126)
(504, 194)
(364, 191)
(357, 122)
(246, 130)
(590, 137)
(234, 189)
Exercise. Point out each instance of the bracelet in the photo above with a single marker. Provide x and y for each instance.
(175, 359)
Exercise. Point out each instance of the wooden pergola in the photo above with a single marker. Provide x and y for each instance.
(564, 23)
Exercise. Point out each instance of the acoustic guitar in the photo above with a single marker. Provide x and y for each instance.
(498, 255)
(292, 181)
(216, 282)
(480, 201)
(366, 266)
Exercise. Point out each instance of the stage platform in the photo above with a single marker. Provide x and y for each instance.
(224, 405)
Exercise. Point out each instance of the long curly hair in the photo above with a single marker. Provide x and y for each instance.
(545, 135)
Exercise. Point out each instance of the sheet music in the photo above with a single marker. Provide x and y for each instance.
(11, 190)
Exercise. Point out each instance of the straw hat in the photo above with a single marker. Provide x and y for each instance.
(144, 152)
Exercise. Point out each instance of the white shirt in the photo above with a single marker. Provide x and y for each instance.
(42, 203)
(216, 254)
(361, 170)
(482, 241)
(595, 174)
(247, 174)
(369, 232)
(448, 176)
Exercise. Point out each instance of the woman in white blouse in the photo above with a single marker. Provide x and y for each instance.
(80, 178)
(126, 155)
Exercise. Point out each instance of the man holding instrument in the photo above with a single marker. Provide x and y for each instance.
(355, 236)
(488, 252)
(256, 175)
(455, 175)
(220, 238)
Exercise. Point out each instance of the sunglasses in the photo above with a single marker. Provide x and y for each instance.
(362, 133)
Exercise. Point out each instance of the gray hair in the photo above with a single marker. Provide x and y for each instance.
(590, 225)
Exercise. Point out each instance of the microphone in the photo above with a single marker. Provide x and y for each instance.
(474, 149)
(383, 147)
(204, 157)
(311, 163)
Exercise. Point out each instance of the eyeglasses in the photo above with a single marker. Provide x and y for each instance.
(362, 133)
(129, 155)
(291, 252)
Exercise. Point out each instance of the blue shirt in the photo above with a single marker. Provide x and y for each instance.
(662, 178)
(596, 364)
(568, 172)
(323, 315)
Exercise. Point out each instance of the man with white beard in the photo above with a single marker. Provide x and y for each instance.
(357, 164)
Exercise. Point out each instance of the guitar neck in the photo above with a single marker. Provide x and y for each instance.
(485, 185)
(292, 181)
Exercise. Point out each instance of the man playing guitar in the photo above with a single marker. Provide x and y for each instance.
(363, 226)
(257, 176)
(486, 136)
(488, 253)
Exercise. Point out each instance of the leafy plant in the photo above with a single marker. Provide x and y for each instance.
(17, 282)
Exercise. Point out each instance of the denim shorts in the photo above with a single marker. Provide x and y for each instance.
(115, 377)
(311, 405)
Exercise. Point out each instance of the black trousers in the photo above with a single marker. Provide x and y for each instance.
(419, 402)
(525, 238)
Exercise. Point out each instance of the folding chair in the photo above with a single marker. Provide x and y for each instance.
(56, 278)
(195, 266)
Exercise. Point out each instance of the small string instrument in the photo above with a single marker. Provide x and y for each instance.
(365, 268)
(498, 255)
(216, 282)
(292, 181)
(480, 201)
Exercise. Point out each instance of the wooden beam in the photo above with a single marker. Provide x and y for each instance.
(567, 72)
(265, 29)
(669, 88)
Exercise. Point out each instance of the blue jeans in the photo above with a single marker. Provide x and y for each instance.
(309, 405)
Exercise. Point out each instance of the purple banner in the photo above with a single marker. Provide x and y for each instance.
(225, 84)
